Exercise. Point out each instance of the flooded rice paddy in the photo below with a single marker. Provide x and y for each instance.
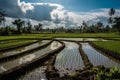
(97, 58)
(11, 64)
(39, 73)
(69, 59)
(82, 39)
(23, 49)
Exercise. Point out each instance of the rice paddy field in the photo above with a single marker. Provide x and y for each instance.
(65, 35)
(27, 58)
(22, 49)
(68, 61)
(109, 45)
(4, 44)
(96, 58)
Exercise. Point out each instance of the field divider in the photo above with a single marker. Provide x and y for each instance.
(110, 39)
(51, 72)
(106, 52)
(86, 61)
(6, 58)
(19, 70)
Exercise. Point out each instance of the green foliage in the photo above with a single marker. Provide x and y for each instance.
(116, 23)
(38, 27)
(19, 23)
(103, 73)
(29, 27)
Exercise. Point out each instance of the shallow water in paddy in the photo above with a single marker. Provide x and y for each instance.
(97, 58)
(69, 59)
(11, 64)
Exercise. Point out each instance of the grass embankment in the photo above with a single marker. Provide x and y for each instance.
(66, 35)
(14, 43)
(113, 46)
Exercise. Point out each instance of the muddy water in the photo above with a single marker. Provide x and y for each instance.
(39, 73)
(97, 58)
(11, 64)
(82, 39)
(22, 49)
(69, 59)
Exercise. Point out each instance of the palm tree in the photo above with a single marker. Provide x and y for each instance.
(85, 26)
(38, 27)
(29, 27)
(19, 23)
(116, 23)
(111, 13)
(2, 17)
(99, 26)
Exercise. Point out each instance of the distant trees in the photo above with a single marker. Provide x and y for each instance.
(19, 23)
(26, 27)
(2, 17)
(84, 27)
(29, 27)
(114, 21)
(111, 13)
(38, 27)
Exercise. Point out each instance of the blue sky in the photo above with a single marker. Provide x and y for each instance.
(83, 5)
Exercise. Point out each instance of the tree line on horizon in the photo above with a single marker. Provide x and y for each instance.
(99, 27)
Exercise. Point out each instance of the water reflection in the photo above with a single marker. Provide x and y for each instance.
(22, 49)
(55, 45)
(69, 59)
(37, 74)
(27, 58)
(83, 39)
(96, 58)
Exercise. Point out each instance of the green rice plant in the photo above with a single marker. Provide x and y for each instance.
(15, 43)
(65, 35)
(113, 46)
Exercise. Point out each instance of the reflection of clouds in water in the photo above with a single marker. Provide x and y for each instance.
(86, 45)
(59, 56)
(2, 69)
(27, 58)
(83, 39)
(70, 45)
(55, 45)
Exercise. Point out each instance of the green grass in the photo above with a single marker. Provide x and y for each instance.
(71, 35)
(14, 43)
(115, 38)
(109, 45)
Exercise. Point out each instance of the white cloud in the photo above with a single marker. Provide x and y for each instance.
(25, 6)
(53, 15)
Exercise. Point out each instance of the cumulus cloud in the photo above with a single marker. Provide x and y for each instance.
(52, 15)
(25, 6)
